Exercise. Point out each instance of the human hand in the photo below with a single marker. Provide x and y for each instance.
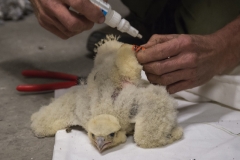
(185, 61)
(55, 16)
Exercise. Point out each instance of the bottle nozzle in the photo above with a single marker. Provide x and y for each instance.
(114, 19)
(139, 36)
(124, 26)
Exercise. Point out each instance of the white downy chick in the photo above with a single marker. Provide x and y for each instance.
(104, 131)
(115, 102)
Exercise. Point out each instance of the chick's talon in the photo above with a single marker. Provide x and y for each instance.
(68, 130)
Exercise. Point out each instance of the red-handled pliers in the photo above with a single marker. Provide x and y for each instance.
(73, 80)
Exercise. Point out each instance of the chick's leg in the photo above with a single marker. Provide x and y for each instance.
(57, 115)
(176, 134)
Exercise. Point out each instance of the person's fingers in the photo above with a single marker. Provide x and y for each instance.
(47, 21)
(72, 22)
(164, 50)
(179, 86)
(35, 7)
(173, 77)
(159, 52)
(156, 38)
(84, 22)
(181, 61)
(53, 29)
(88, 9)
(56, 13)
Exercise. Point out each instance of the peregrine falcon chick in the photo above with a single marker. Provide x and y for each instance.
(114, 102)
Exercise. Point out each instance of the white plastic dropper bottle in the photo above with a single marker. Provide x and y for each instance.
(114, 19)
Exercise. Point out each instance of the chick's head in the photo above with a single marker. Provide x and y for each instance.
(104, 131)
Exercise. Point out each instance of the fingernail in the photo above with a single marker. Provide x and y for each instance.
(101, 20)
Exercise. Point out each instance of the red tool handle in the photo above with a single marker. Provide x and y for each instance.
(49, 74)
(45, 87)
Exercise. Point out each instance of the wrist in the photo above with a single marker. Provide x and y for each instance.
(226, 42)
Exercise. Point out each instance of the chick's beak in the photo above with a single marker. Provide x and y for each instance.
(101, 143)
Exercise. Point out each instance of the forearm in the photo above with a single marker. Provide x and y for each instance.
(228, 42)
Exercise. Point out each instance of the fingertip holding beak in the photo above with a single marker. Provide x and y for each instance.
(137, 48)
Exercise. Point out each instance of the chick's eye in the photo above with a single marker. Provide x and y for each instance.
(93, 135)
(112, 134)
